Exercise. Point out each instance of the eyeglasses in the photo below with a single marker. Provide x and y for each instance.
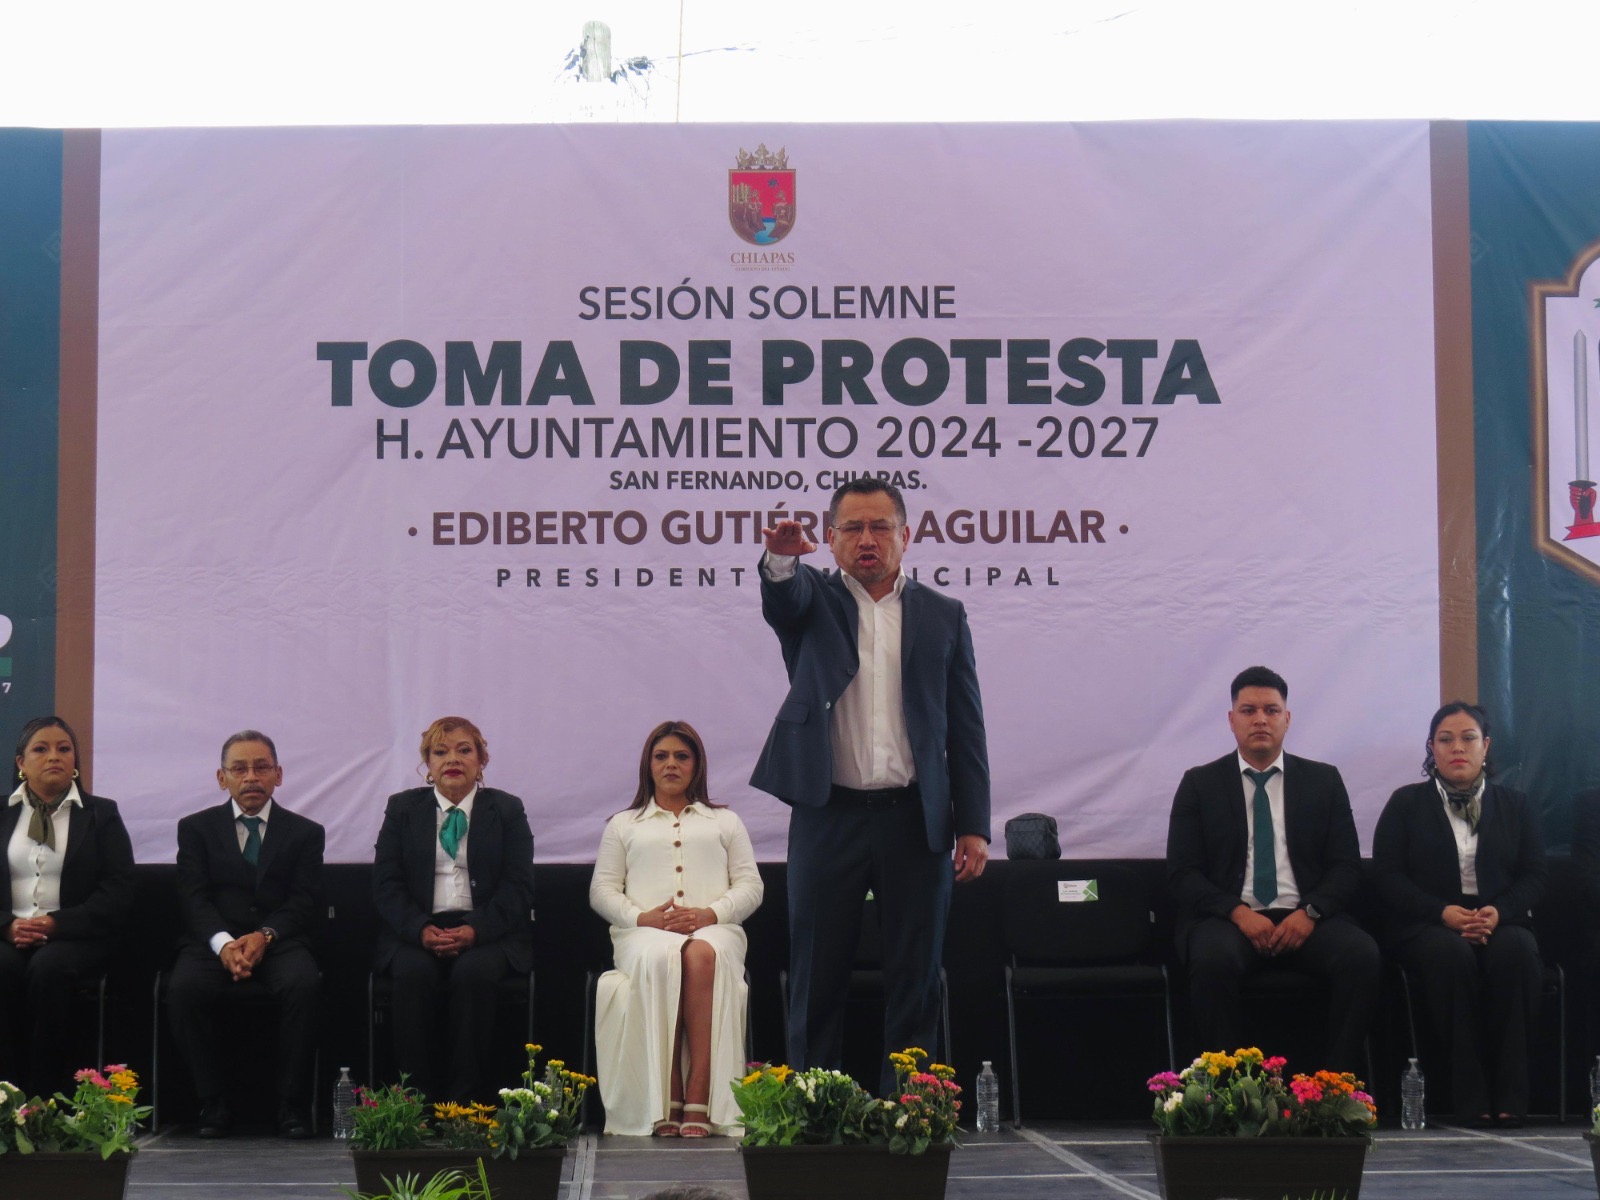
(245, 770)
(854, 529)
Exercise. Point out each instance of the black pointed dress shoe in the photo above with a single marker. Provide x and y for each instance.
(293, 1122)
(214, 1119)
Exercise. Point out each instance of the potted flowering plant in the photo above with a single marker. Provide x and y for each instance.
(520, 1143)
(78, 1146)
(1592, 1136)
(1232, 1125)
(809, 1132)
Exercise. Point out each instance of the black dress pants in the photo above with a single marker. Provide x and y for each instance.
(1338, 951)
(196, 995)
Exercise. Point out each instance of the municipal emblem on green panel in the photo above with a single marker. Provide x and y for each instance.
(761, 205)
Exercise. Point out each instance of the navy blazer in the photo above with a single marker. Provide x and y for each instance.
(1417, 870)
(1208, 837)
(815, 618)
(499, 870)
(97, 880)
(219, 892)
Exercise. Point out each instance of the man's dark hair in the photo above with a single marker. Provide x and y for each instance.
(248, 735)
(866, 486)
(1264, 677)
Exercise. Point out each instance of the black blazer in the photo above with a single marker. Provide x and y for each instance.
(815, 618)
(499, 869)
(1415, 866)
(97, 881)
(1207, 838)
(219, 892)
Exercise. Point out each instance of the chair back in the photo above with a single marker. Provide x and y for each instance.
(1066, 912)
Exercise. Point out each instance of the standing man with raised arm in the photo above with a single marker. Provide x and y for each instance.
(249, 881)
(1263, 858)
(879, 751)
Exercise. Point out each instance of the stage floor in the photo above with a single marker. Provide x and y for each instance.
(1074, 1160)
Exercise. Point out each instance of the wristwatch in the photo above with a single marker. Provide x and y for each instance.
(268, 932)
(1313, 912)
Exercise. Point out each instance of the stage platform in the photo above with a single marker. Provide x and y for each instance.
(1062, 1160)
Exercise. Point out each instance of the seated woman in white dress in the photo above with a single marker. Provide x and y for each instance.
(675, 876)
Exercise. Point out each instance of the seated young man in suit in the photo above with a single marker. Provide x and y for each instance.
(1263, 859)
(249, 877)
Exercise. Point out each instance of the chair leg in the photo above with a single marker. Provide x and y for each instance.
(100, 1024)
(944, 1015)
(1561, 1041)
(155, 1056)
(1011, 1035)
(372, 1040)
(1166, 1002)
(591, 984)
(749, 1030)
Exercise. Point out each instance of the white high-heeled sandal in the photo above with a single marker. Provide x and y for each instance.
(695, 1129)
(672, 1126)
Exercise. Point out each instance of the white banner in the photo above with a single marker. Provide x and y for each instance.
(397, 423)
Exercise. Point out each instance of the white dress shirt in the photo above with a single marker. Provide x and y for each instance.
(35, 867)
(871, 748)
(1288, 889)
(452, 888)
(222, 937)
(1466, 841)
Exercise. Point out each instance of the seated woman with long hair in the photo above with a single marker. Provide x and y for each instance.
(675, 875)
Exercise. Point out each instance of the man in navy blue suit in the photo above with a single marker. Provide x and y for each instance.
(879, 751)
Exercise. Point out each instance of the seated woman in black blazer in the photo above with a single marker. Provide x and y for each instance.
(1459, 862)
(66, 883)
(453, 881)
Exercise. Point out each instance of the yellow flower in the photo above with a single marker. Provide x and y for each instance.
(117, 1099)
(532, 1049)
(781, 1073)
(756, 1074)
(940, 1071)
(1251, 1055)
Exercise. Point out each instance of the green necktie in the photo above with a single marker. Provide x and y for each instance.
(1265, 875)
(455, 828)
(252, 839)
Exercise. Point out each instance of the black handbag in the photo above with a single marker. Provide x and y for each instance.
(1032, 835)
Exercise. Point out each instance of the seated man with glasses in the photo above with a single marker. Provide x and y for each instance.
(249, 878)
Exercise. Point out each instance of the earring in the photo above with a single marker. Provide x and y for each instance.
(430, 778)
(74, 772)
(480, 777)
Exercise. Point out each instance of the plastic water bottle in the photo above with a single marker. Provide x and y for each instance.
(344, 1105)
(1594, 1087)
(988, 1099)
(1412, 1085)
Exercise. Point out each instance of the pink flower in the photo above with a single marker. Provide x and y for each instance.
(1275, 1063)
(908, 1098)
(1164, 1082)
(1306, 1091)
(115, 1068)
